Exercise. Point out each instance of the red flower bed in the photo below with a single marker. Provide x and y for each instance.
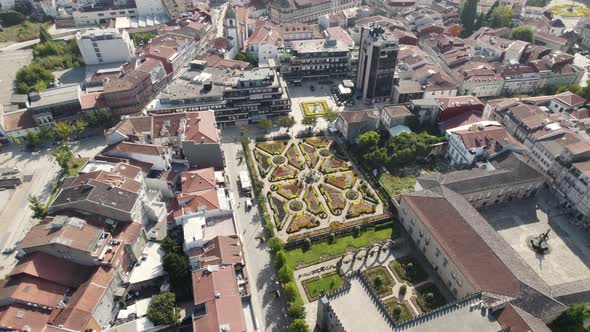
(318, 142)
(283, 172)
(289, 190)
(310, 154)
(359, 208)
(294, 159)
(301, 221)
(334, 198)
(272, 147)
(331, 165)
(314, 205)
(342, 181)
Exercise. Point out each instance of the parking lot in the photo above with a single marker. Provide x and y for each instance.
(10, 63)
(39, 170)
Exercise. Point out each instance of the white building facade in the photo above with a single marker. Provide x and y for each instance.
(105, 46)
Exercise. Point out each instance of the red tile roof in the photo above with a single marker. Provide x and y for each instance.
(18, 120)
(51, 268)
(219, 293)
(129, 147)
(16, 316)
(581, 114)
(198, 180)
(474, 258)
(488, 136)
(29, 289)
(571, 99)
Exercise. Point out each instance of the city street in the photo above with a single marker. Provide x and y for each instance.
(39, 171)
(271, 312)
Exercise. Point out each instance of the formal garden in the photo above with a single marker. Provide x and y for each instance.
(568, 10)
(315, 108)
(311, 188)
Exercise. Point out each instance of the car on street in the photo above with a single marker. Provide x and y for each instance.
(248, 203)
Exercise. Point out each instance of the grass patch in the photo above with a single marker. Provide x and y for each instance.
(21, 32)
(429, 297)
(340, 246)
(316, 286)
(380, 280)
(314, 108)
(407, 269)
(75, 165)
(395, 185)
(399, 315)
(564, 10)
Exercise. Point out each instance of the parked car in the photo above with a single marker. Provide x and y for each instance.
(248, 204)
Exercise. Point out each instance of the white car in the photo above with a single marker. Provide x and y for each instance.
(248, 203)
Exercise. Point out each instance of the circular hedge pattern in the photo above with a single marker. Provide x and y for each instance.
(296, 206)
(324, 152)
(278, 160)
(323, 215)
(352, 195)
(338, 212)
(274, 187)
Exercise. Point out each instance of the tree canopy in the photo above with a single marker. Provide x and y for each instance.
(523, 33)
(501, 17)
(265, 124)
(39, 208)
(32, 78)
(177, 266)
(286, 121)
(368, 139)
(468, 15)
(246, 57)
(11, 17)
(63, 156)
(400, 150)
(163, 309)
(572, 320)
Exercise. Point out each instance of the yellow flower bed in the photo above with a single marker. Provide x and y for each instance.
(310, 108)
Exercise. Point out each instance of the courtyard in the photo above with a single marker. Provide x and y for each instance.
(568, 258)
(309, 188)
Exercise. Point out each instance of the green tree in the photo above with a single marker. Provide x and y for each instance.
(296, 311)
(44, 36)
(275, 245)
(331, 115)
(501, 17)
(142, 38)
(244, 129)
(163, 310)
(368, 140)
(63, 156)
(11, 17)
(64, 130)
(265, 124)
(286, 121)
(170, 246)
(247, 57)
(409, 147)
(402, 290)
(306, 244)
(468, 15)
(480, 21)
(523, 33)
(280, 259)
(39, 208)
(32, 77)
(46, 133)
(299, 325)
(24, 7)
(15, 140)
(378, 282)
(290, 291)
(179, 271)
(572, 320)
(285, 274)
(32, 138)
(80, 127)
(309, 121)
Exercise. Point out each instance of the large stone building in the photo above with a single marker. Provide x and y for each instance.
(377, 64)
(292, 11)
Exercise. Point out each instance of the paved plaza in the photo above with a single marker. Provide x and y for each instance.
(569, 256)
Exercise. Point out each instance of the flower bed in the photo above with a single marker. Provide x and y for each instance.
(564, 10)
(352, 195)
(357, 209)
(283, 172)
(301, 221)
(310, 154)
(324, 153)
(407, 269)
(387, 282)
(264, 163)
(294, 159)
(314, 205)
(368, 194)
(289, 189)
(296, 206)
(403, 314)
(278, 160)
(334, 198)
(429, 297)
(272, 147)
(332, 164)
(279, 211)
(342, 180)
(318, 142)
(314, 108)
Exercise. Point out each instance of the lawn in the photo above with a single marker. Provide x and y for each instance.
(564, 10)
(75, 166)
(340, 246)
(387, 281)
(20, 32)
(395, 185)
(407, 269)
(328, 282)
(314, 108)
(429, 297)
(404, 313)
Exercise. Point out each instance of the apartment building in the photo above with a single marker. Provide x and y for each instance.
(99, 46)
(315, 59)
(302, 11)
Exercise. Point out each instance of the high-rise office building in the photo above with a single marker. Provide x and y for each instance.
(377, 62)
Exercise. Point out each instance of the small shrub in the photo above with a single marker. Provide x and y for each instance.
(285, 274)
(290, 291)
(306, 244)
(397, 310)
(378, 282)
(402, 290)
(331, 238)
(275, 245)
(296, 311)
(280, 259)
(356, 231)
